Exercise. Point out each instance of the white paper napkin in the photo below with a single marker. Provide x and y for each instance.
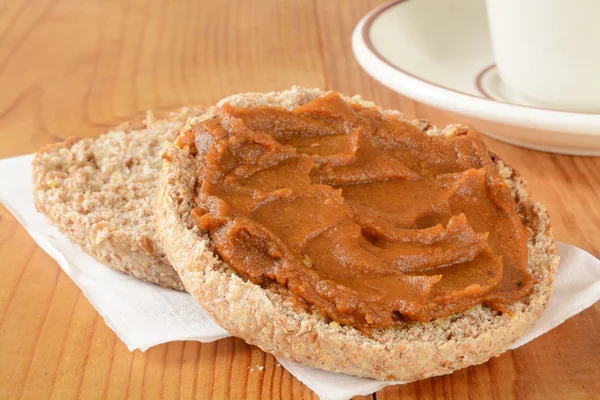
(145, 315)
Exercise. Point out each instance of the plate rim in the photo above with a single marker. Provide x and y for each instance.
(402, 81)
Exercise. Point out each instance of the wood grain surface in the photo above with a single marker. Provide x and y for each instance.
(77, 67)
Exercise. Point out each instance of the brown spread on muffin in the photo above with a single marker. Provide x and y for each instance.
(362, 216)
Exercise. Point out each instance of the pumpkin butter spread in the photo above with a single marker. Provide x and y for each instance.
(362, 216)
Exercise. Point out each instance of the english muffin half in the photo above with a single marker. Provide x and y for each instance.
(100, 193)
(282, 318)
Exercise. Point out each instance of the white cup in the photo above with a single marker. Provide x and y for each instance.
(549, 50)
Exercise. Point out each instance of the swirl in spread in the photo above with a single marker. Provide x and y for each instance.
(360, 215)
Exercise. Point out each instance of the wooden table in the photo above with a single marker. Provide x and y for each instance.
(77, 67)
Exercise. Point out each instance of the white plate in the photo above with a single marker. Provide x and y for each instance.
(439, 53)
